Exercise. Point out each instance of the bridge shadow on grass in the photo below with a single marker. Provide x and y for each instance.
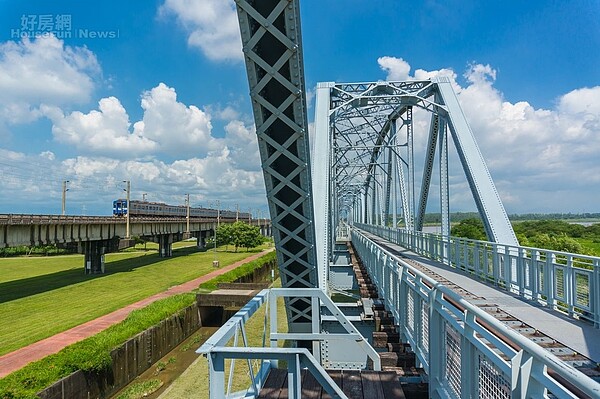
(16, 289)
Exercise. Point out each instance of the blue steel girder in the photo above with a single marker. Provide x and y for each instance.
(272, 48)
(487, 199)
(380, 105)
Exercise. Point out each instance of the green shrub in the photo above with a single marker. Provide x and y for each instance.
(239, 272)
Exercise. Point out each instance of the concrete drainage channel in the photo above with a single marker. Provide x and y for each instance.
(167, 348)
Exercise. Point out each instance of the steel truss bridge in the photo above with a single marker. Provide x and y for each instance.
(487, 319)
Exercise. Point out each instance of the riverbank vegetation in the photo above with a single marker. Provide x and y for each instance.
(557, 235)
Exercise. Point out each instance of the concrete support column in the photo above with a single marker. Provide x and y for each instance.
(201, 240)
(93, 257)
(165, 245)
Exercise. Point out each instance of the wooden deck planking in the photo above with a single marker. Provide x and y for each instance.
(273, 385)
(311, 389)
(336, 376)
(371, 385)
(390, 385)
(355, 384)
(352, 384)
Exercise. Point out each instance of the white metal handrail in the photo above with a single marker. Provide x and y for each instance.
(567, 282)
(216, 349)
(465, 351)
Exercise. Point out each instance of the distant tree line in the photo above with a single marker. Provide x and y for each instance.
(40, 250)
(556, 235)
(554, 216)
(456, 217)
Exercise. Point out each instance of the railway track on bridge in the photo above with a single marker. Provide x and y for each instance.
(25, 219)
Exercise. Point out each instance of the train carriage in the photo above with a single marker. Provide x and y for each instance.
(160, 209)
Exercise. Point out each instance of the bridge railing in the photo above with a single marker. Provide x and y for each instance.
(224, 345)
(465, 351)
(567, 282)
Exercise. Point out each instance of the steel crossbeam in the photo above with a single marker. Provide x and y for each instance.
(272, 49)
(368, 137)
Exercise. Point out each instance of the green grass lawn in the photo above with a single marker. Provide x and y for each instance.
(40, 297)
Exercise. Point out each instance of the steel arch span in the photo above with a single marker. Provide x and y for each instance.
(364, 153)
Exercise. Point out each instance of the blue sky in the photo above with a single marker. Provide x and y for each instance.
(162, 98)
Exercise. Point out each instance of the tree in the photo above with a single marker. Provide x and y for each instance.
(239, 234)
(470, 228)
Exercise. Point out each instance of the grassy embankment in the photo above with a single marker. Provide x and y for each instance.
(93, 353)
(40, 297)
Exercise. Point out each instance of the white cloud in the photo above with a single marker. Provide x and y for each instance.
(211, 25)
(105, 131)
(207, 167)
(48, 155)
(396, 68)
(243, 144)
(178, 129)
(43, 71)
(542, 160)
(167, 127)
(215, 176)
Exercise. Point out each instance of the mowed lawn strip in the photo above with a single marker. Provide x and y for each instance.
(62, 298)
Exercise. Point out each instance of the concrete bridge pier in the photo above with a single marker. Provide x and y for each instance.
(201, 239)
(94, 256)
(265, 230)
(165, 245)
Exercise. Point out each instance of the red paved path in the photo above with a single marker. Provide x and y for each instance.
(15, 360)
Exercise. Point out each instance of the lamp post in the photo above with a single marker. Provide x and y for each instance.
(128, 190)
(187, 216)
(64, 196)
(217, 225)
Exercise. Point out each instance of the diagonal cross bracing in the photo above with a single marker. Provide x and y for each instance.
(272, 47)
(371, 154)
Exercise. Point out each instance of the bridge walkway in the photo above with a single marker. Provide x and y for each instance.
(573, 338)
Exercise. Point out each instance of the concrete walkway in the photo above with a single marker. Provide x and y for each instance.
(18, 359)
(582, 337)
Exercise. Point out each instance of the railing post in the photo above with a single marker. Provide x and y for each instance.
(569, 285)
(316, 326)
(418, 316)
(216, 374)
(595, 293)
(272, 298)
(534, 276)
(549, 279)
(521, 272)
(294, 381)
(403, 307)
(496, 264)
(436, 345)
(468, 361)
